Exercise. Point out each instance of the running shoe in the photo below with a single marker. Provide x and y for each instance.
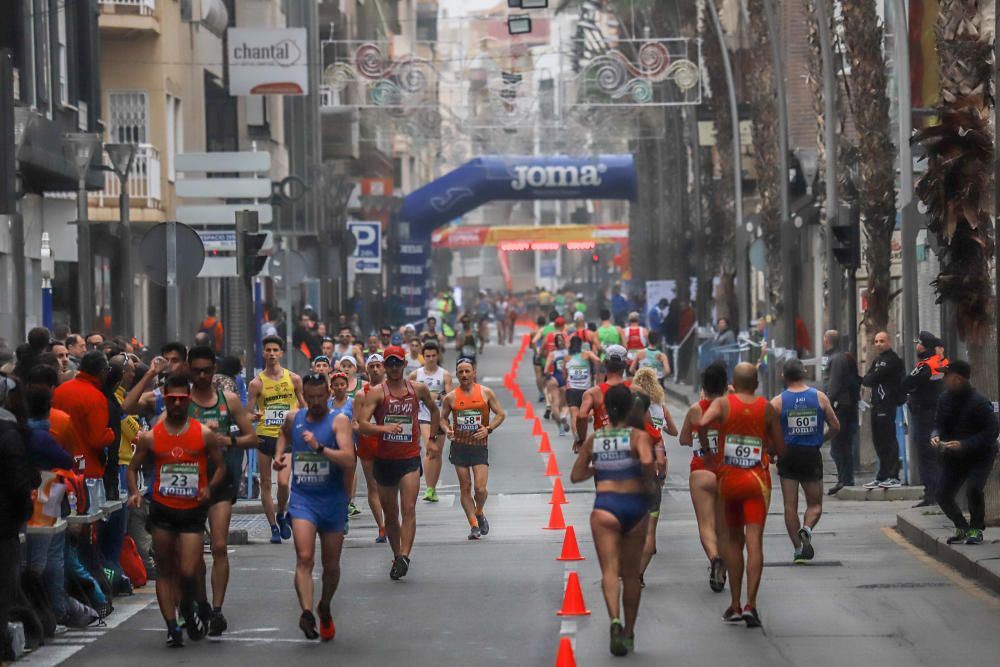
(732, 615)
(194, 623)
(891, 483)
(541, 398)
(307, 623)
(717, 575)
(400, 566)
(352, 509)
(484, 525)
(218, 624)
(806, 535)
(874, 484)
(275, 535)
(960, 536)
(562, 429)
(381, 538)
(175, 637)
(430, 495)
(751, 617)
(618, 647)
(327, 630)
(285, 525)
(629, 643)
(475, 533)
(798, 558)
(832, 491)
(975, 536)
(548, 413)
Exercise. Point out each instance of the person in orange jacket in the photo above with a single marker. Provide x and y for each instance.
(82, 399)
(212, 327)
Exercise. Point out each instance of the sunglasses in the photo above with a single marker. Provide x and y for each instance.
(205, 370)
(176, 399)
(393, 362)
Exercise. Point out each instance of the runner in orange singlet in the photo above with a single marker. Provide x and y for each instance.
(615, 363)
(704, 465)
(751, 429)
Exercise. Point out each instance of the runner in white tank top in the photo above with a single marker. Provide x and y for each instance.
(438, 381)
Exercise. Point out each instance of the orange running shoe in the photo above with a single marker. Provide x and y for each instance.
(327, 630)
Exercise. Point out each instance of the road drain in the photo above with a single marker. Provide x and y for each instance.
(907, 584)
(812, 563)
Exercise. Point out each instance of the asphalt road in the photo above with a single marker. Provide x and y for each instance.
(869, 598)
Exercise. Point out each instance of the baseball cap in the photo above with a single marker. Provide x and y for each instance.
(580, 316)
(616, 352)
(374, 359)
(349, 359)
(395, 351)
(959, 366)
(560, 321)
(927, 339)
(321, 357)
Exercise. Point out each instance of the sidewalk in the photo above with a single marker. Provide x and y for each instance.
(929, 530)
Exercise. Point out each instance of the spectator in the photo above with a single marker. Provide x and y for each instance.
(923, 387)
(619, 307)
(842, 387)
(77, 347)
(885, 378)
(654, 318)
(724, 335)
(94, 340)
(211, 326)
(83, 400)
(965, 431)
(57, 422)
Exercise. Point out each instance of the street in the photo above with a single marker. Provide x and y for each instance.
(868, 598)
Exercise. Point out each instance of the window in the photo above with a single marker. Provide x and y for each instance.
(128, 111)
(258, 116)
(175, 134)
(221, 120)
(62, 55)
(42, 66)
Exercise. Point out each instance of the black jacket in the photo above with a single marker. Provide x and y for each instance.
(885, 377)
(922, 386)
(968, 418)
(20, 478)
(841, 380)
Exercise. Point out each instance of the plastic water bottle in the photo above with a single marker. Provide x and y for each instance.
(72, 503)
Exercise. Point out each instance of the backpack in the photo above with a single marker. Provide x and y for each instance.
(75, 484)
(209, 331)
(131, 562)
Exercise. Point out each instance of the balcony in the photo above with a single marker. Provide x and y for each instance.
(143, 182)
(128, 18)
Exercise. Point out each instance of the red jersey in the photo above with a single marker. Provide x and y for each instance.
(550, 341)
(635, 338)
(367, 445)
(402, 410)
(743, 458)
(709, 460)
(600, 414)
(180, 466)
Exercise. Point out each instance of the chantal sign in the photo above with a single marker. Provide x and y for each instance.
(268, 61)
(558, 176)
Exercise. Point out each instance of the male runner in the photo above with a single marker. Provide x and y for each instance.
(431, 334)
(394, 404)
(272, 394)
(636, 335)
(652, 357)
(588, 339)
(322, 455)
(180, 449)
(538, 356)
(367, 446)
(616, 360)
(327, 348)
(470, 405)
(321, 365)
(414, 359)
(232, 431)
(803, 411)
(438, 380)
(346, 348)
(750, 428)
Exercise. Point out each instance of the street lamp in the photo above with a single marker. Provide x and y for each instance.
(80, 148)
(122, 157)
(24, 119)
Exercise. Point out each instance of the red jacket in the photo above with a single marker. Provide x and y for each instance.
(81, 398)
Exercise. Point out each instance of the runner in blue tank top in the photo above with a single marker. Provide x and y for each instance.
(322, 458)
(341, 403)
(807, 421)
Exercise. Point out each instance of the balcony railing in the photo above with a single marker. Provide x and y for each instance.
(141, 7)
(143, 181)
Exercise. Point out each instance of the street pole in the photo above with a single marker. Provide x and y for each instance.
(996, 192)
(907, 212)
(788, 232)
(127, 317)
(173, 290)
(84, 260)
(704, 286)
(48, 269)
(834, 271)
(740, 236)
(246, 222)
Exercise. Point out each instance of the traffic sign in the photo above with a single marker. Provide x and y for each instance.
(190, 253)
(367, 256)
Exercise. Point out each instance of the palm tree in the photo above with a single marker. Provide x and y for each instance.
(863, 36)
(957, 186)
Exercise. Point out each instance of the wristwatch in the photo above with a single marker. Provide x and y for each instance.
(489, 429)
(320, 448)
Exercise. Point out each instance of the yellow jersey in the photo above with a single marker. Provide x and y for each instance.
(276, 398)
(130, 429)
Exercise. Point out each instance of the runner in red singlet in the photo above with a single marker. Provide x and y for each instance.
(751, 429)
(636, 336)
(616, 360)
(367, 445)
(704, 463)
(395, 406)
(180, 448)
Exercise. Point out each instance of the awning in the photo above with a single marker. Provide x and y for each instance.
(524, 237)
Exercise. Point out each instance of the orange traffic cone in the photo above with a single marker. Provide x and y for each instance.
(558, 494)
(529, 412)
(552, 468)
(537, 428)
(544, 447)
(573, 599)
(565, 657)
(556, 520)
(519, 397)
(570, 550)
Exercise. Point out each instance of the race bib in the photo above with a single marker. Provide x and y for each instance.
(803, 422)
(612, 445)
(469, 421)
(406, 421)
(179, 480)
(743, 451)
(579, 374)
(310, 468)
(275, 415)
